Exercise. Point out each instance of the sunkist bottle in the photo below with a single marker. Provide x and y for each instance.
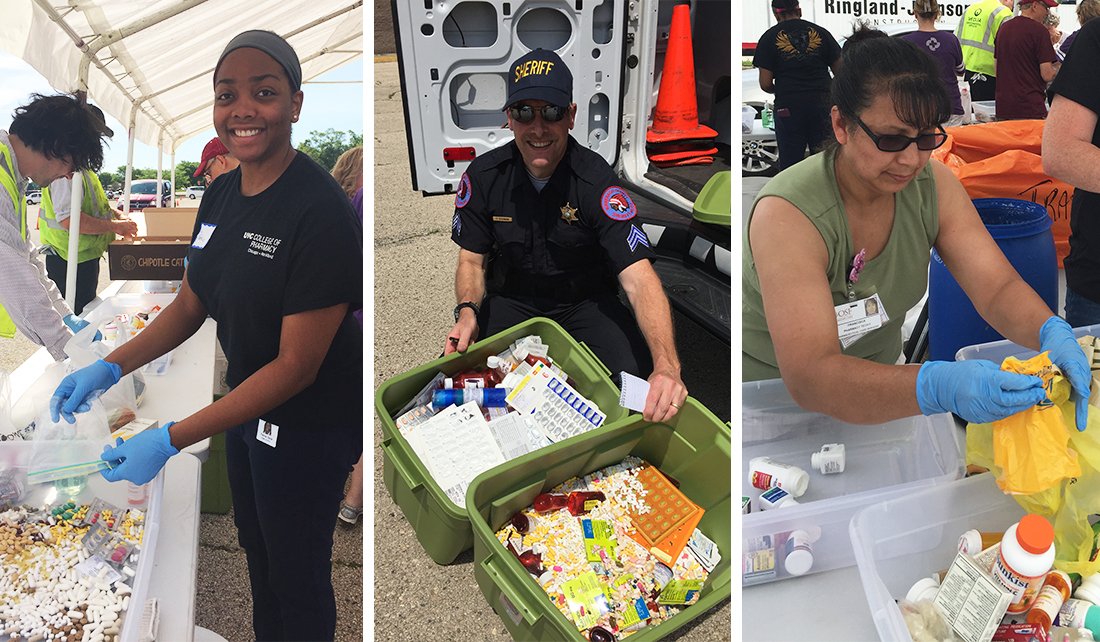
(1048, 603)
(1026, 556)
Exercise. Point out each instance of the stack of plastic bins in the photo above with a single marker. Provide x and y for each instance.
(16, 455)
(996, 351)
(905, 538)
(882, 461)
(693, 447)
(443, 528)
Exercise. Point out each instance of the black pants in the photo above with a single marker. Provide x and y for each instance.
(87, 279)
(799, 127)
(981, 88)
(604, 324)
(285, 501)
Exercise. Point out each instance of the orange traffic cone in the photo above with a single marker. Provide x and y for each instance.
(677, 114)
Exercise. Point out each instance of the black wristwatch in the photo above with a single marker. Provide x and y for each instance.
(466, 304)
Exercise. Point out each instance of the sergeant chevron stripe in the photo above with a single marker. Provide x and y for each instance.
(635, 237)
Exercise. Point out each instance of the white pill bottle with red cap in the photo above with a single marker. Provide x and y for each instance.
(1025, 558)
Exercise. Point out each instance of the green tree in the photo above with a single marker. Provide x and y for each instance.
(184, 170)
(325, 147)
(108, 178)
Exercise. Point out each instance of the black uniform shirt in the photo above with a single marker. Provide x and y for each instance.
(295, 247)
(573, 237)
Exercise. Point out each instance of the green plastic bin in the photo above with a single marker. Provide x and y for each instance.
(694, 448)
(443, 528)
(713, 204)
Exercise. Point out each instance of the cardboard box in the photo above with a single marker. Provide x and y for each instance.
(157, 253)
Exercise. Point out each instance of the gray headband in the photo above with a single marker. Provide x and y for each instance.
(271, 44)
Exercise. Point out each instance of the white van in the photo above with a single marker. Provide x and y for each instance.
(454, 59)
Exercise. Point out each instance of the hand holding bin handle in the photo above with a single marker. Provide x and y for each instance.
(1057, 338)
(978, 391)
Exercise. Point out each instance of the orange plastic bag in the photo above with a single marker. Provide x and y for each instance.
(1031, 447)
(1002, 160)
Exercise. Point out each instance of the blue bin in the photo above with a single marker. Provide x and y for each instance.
(1022, 231)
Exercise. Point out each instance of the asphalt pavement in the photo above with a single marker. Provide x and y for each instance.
(414, 262)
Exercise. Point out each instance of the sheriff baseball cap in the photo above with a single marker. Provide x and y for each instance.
(1049, 3)
(212, 150)
(540, 75)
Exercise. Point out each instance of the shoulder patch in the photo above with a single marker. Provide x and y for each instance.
(617, 205)
(462, 196)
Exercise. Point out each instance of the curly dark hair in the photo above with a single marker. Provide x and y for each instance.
(61, 126)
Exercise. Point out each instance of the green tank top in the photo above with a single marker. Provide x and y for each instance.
(899, 274)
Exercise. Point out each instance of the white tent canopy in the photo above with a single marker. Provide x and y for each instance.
(150, 63)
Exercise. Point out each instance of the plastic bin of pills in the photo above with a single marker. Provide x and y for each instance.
(693, 448)
(985, 111)
(905, 538)
(996, 351)
(442, 527)
(881, 462)
(16, 455)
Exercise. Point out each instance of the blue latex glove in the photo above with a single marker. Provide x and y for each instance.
(1057, 337)
(978, 391)
(141, 457)
(76, 391)
(76, 324)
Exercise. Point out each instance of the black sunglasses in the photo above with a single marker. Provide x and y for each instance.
(897, 142)
(526, 113)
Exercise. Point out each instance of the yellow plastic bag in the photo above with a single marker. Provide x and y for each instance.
(1069, 502)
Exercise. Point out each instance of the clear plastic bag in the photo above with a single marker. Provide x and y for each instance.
(121, 400)
(57, 445)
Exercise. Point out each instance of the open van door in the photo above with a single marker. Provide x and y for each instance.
(454, 58)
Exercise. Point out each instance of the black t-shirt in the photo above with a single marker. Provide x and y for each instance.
(580, 228)
(295, 247)
(1076, 81)
(799, 54)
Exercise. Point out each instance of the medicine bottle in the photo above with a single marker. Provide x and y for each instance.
(547, 502)
(830, 460)
(1026, 556)
(1055, 592)
(1079, 614)
(765, 473)
(800, 555)
(924, 590)
(484, 397)
(580, 502)
(775, 498)
(973, 541)
(1089, 590)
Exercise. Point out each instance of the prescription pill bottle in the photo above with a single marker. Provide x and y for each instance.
(776, 498)
(924, 590)
(829, 460)
(1079, 614)
(973, 541)
(1048, 603)
(1025, 558)
(1089, 590)
(765, 473)
(800, 555)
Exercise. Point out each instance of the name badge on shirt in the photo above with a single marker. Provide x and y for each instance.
(203, 237)
(856, 318)
(267, 433)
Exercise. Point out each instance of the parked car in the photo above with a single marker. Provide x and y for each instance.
(143, 194)
(195, 191)
(34, 198)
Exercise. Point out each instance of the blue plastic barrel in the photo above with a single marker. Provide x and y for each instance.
(1022, 231)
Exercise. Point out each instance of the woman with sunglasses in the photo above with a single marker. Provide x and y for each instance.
(857, 222)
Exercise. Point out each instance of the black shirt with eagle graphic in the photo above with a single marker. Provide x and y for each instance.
(799, 54)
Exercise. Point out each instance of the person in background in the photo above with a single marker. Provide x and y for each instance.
(216, 160)
(794, 58)
(944, 48)
(1026, 62)
(1086, 10)
(50, 137)
(348, 172)
(1051, 22)
(1071, 153)
(277, 261)
(99, 223)
(977, 33)
(856, 222)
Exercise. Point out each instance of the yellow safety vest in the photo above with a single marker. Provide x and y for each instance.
(95, 203)
(7, 180)
(976, 32)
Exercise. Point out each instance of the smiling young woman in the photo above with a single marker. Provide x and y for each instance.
(854, 225)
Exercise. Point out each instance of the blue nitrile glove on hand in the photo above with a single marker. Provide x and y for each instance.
(1057, 337)
(76, 324)
(141, 457)
(978, 391)
(76, 391)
